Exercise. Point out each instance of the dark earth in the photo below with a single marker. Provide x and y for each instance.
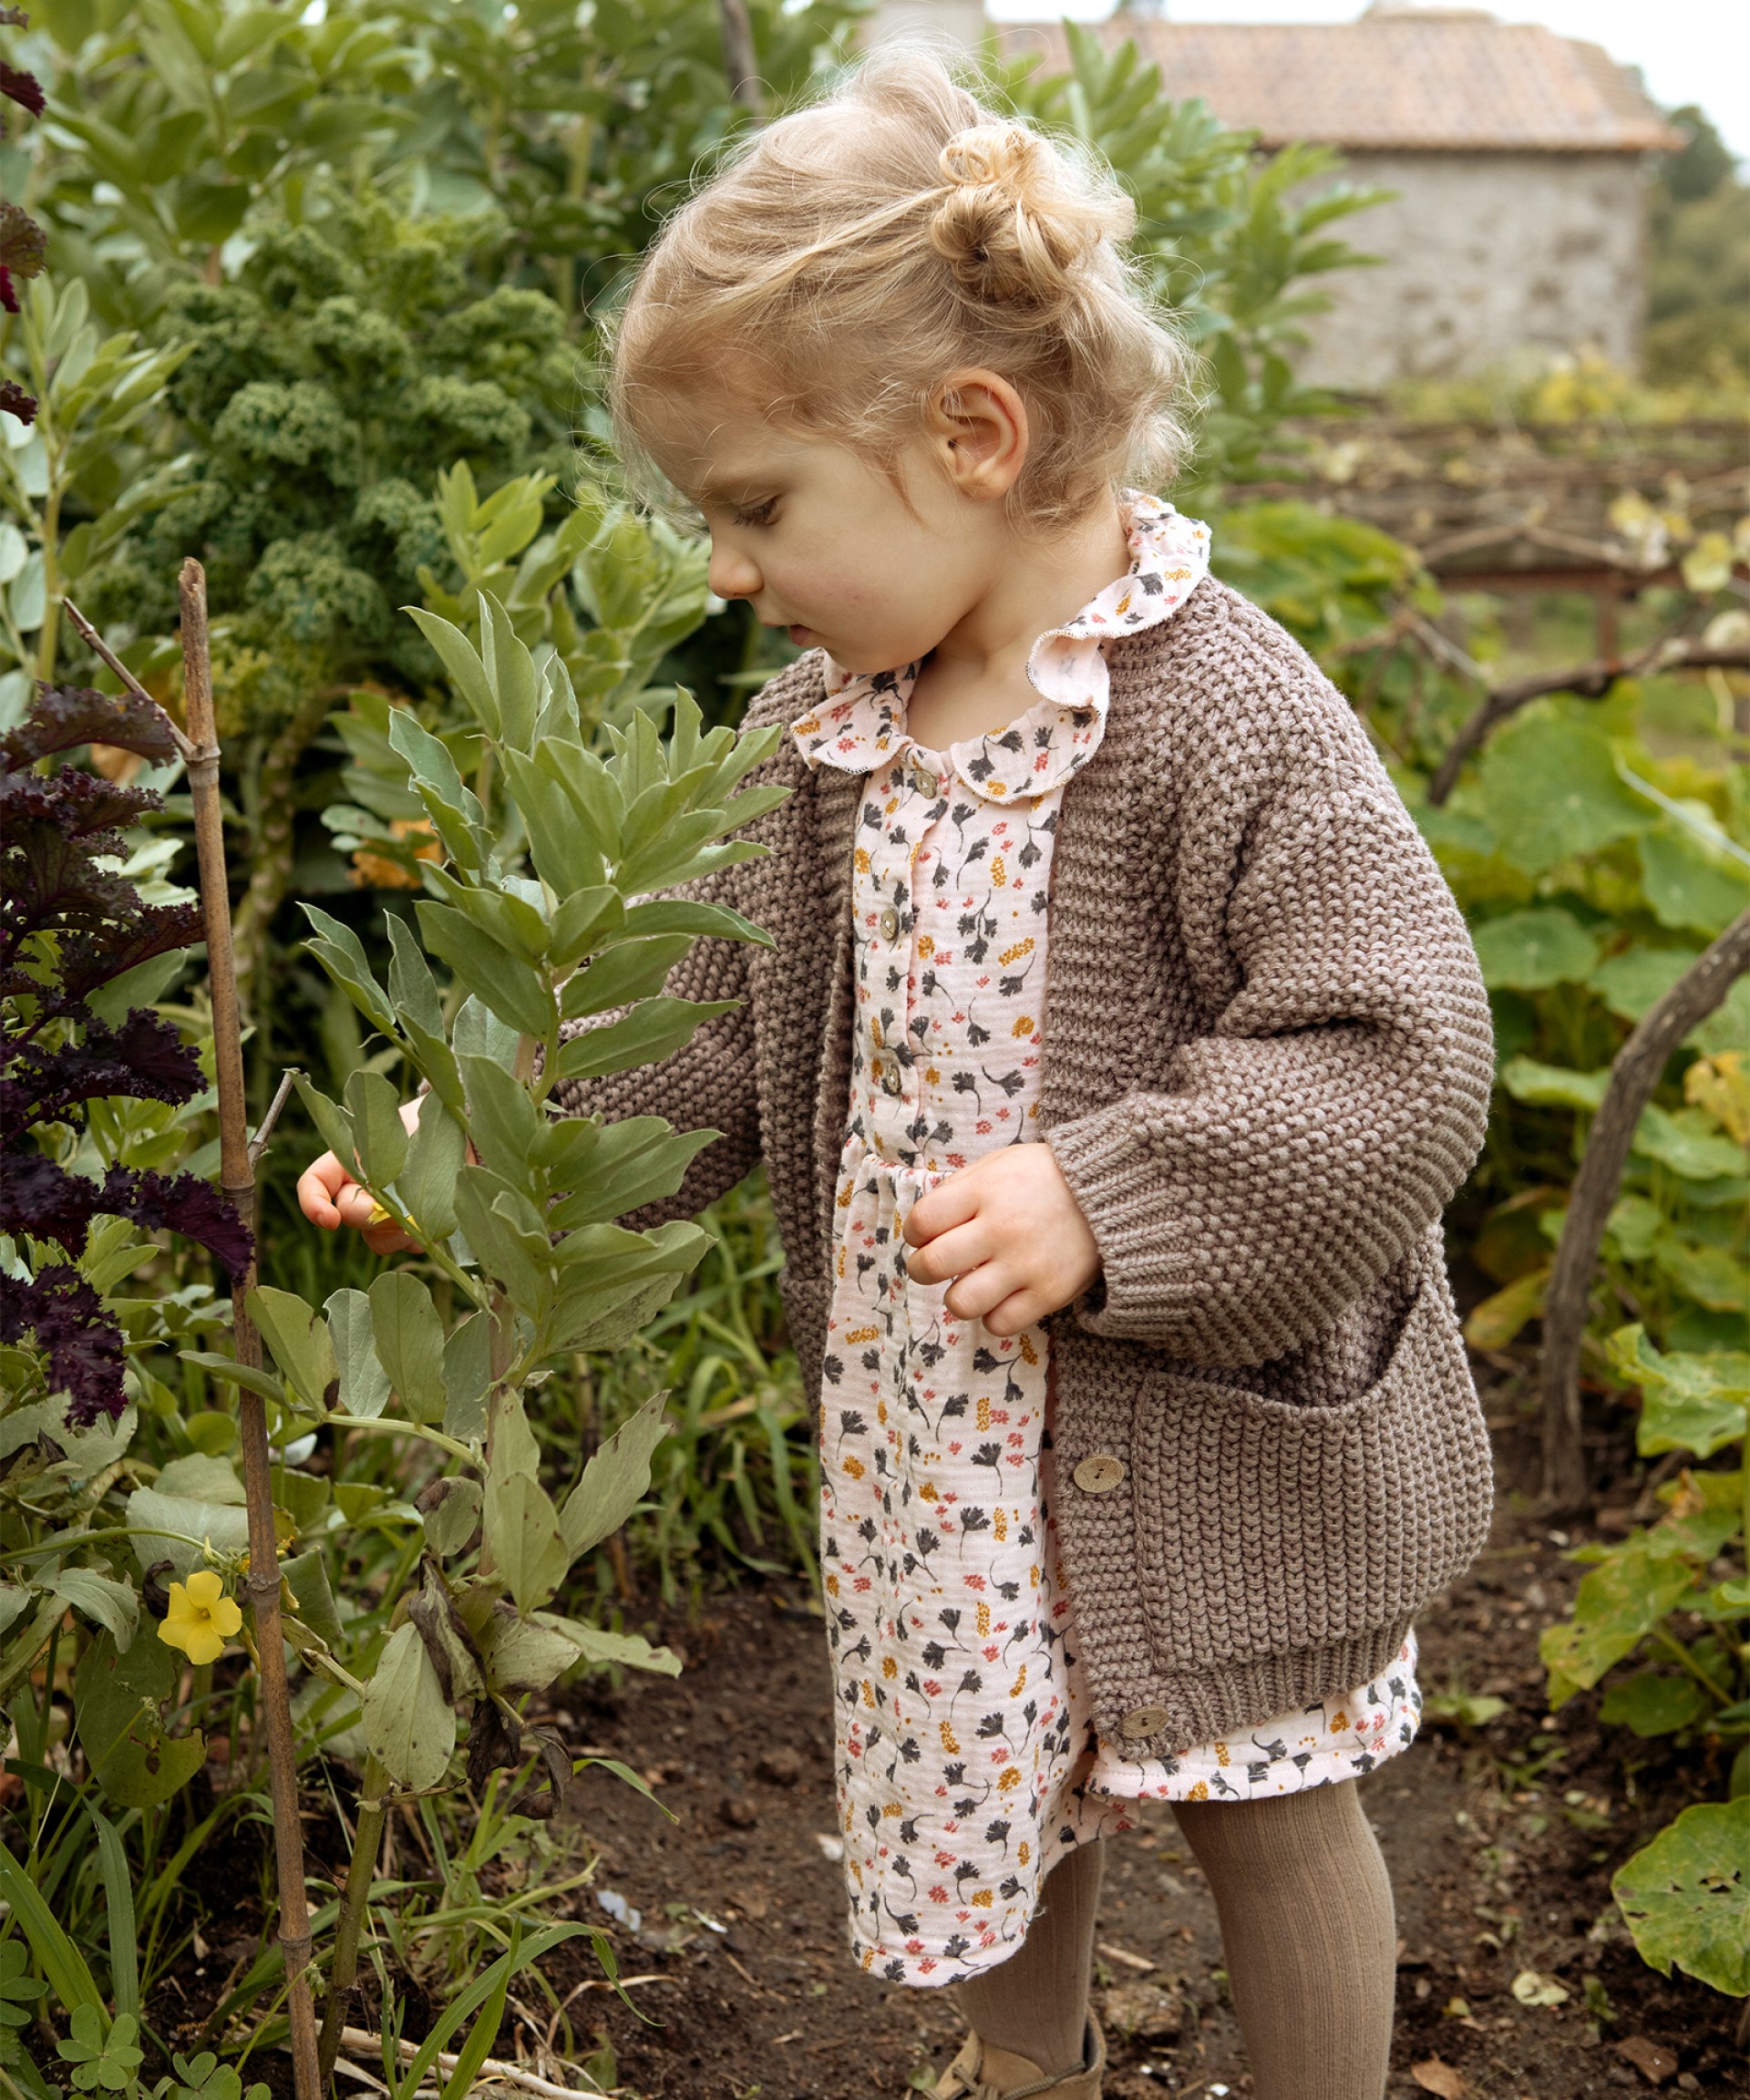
(1502, 1842)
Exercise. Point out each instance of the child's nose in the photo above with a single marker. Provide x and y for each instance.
(732, 574)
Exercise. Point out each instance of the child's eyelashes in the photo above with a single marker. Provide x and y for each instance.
(756, 513)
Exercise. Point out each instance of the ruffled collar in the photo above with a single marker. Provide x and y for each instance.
(861, 724)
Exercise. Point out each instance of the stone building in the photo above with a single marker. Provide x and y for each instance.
(1518, 160)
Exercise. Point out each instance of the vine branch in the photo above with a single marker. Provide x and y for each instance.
(1634, 1076)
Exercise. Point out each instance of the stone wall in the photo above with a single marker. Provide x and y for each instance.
(1486, 256)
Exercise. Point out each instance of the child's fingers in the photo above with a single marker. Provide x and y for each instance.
(318, 1185)
(951, 1203)
(948, 1252)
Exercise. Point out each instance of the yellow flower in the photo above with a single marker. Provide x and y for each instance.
(201, 1618)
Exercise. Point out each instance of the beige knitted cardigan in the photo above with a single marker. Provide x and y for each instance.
(1267, 1066)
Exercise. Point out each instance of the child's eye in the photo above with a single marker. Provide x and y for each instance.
(756, 513)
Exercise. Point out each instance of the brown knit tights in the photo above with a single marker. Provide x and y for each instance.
(1306, 1924)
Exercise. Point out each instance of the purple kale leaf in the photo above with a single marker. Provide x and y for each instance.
(65, 1315)
(24, 89)
(89, 960)
(39, 1197)
(143, 1060)
(82, 804)
(13, 397)
(22, 245)
(66, 715)
(185, 1204)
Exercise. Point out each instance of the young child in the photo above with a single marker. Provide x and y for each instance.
(1119, 1046)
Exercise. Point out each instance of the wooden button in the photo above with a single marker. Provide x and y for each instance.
(1099, 1474)
(890, 1079)
(890, 924)
(1143, 1720)
(924, 781)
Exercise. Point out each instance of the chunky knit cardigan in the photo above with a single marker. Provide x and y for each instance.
(1267, 1065)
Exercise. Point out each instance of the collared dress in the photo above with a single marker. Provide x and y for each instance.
(966, 1759)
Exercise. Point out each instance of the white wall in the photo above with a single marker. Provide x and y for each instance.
(1485, 254)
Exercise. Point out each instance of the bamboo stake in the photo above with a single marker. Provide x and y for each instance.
(237, 1179)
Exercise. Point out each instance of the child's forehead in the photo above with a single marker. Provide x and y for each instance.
(719, 448)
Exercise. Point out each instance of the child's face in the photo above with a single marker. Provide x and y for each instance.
(818, 541)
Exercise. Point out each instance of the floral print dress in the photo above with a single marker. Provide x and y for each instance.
(966, 1759)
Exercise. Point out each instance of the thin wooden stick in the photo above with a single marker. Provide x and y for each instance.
(1589, 681)
(101, 649)
(1634, 1076)
(237, 1178)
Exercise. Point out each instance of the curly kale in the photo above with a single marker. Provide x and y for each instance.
(68, 925)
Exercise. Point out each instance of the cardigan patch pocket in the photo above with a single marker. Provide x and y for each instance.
(1310, 1524)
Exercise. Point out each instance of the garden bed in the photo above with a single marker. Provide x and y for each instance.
(1501, 1840)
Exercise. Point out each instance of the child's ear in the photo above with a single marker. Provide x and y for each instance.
(977, 423)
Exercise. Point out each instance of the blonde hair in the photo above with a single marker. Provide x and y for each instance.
(858, 251)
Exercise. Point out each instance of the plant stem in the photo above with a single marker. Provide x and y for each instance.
(237, 1179)
(1679, 1654)
(361, 1871)
(375, 1426)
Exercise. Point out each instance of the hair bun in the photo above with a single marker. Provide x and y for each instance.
(1009, 226)
(998, 156)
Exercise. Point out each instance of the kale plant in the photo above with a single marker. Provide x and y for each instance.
(22, 240)
(72, 929)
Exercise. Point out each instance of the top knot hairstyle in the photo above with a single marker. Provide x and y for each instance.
(856, 251)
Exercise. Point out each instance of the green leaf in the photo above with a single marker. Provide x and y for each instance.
(1548, 788)
(499, 978)
(466, 674)
(152, 1514)
(1554, 1085)
(117, 1701)
(468, 1371)
(655, 1029)
(520, 1258)
(410, 1725)
(300, 1340)
(616, 1478)
(1634, 983)
(628, 970)
(523, 1536)
(449, 1522)
(409, 1341)
(337, 949)
(378, 1131)
(1527, 950)
(1689, 888)
(525, 1654)
(1688, 1403)
(478, 1033)
(60, 1959)
(1707, 1274)
(510, 672)
(507, 1125)
(1686, 1896)
(1688, 1143)
(425, 1186)
(333, 1124)
(364, 1383)
(626, 1651)
(111, 1603)
(412, 986)
(1617, 1605)
(235, 1373)
(307, 1575)
(1653, 1705)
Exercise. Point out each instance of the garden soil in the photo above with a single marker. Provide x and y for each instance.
(1502, 1842)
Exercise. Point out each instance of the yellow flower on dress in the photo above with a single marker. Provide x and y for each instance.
(201, 1618)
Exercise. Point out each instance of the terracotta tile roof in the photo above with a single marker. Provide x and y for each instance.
(1453, 80)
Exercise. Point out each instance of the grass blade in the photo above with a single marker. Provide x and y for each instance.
(71, 1980)
(119, 1900)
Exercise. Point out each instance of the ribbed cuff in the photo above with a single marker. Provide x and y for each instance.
(1118, 1178)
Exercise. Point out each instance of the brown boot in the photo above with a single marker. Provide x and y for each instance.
(983, 2073)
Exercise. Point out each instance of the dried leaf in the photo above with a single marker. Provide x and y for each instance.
(1433, 2076)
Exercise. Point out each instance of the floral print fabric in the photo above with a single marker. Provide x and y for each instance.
(966, 1760)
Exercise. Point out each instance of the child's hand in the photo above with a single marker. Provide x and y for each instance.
(1010, 1232)
(329, 1196)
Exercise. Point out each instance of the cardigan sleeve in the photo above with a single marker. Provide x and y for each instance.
(1301, 1146)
